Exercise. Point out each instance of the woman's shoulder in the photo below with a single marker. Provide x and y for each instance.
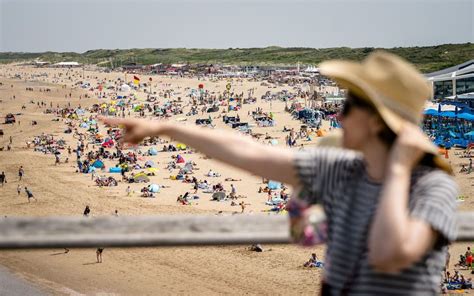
(428, 174)
(433, 180)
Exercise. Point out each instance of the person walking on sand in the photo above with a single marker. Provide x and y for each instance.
(389, 197)
(99, 254)
(21, 172)
(87, 211)
(233, 191)
(18, 189)
(29, 194)
(3, 178)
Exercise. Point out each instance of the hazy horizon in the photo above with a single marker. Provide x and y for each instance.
(262, 47)
(82, 25)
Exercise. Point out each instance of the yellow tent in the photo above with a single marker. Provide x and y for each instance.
(181, 146)
(151, 170)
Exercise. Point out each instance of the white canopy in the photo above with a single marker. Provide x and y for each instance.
(125, 88)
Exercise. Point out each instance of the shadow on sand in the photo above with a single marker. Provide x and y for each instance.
(56, 254)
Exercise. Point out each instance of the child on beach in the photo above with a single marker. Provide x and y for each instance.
(387, 193)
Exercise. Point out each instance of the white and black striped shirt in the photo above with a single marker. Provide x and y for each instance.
(337, 179)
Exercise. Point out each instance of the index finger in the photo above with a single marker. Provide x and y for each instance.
(112, 121)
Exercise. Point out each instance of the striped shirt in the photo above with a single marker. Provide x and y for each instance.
(337, 180)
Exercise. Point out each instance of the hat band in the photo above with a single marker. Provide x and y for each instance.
(398, 109)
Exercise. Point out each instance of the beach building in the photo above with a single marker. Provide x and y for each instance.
(453, 81)
(66, 65)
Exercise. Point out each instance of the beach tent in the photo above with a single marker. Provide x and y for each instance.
(98, 164)
(150, 164)
(125, 88)
(141, 177)
(151, 171)
(273, 185)
(152, 151)
(115, 170)
(155, 188)
(108, 143)
(181, 146)
(179, 159)
(218, 196)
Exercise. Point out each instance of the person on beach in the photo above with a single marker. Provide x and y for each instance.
(29, 194)
(21, 172)
(87, 211)
(388, 196)
(233, 191)
(469, 258)
(18, 189)
(98, 253)
(3, 178)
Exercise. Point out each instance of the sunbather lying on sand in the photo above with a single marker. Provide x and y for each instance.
(232, 179)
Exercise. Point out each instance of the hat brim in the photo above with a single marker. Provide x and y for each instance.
(348, 75)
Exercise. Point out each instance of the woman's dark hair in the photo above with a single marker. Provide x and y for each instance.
(387, 136)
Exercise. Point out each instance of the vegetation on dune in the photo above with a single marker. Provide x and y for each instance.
(427, 58)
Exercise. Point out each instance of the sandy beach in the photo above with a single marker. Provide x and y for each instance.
(61, 191)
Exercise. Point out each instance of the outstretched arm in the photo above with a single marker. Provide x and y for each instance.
(228, 147)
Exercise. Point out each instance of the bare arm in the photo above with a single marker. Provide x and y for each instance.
(397, 240)
(228, 147)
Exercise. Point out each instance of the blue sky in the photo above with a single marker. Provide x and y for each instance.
(80, 25)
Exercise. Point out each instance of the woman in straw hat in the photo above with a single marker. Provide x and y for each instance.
(387, 195)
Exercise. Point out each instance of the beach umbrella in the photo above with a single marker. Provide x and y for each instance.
(466, 116)
(430, 112)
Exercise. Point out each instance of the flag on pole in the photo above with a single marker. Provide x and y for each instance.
(136, 80)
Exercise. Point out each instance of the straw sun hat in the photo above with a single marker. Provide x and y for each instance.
(395, 88)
